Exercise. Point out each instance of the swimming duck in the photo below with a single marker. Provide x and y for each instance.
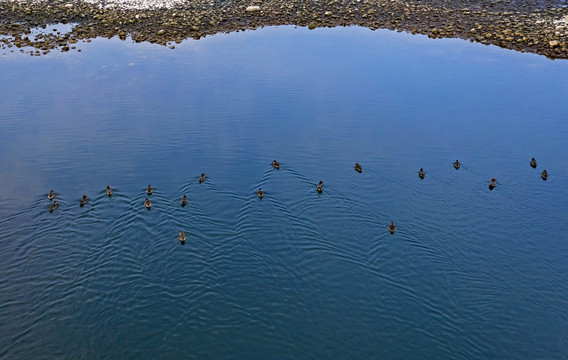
(184, 200)
(392, 228)
(147, 203)
(181, 237)
(276, 165)
(260, 193)
(492, 184)
(421, 173)
(544, 175)
(533, 163)
(358, 168)
(51, 195)
(149, 190)
(457, 164)
(83, 200)
(202, 178)
(320, 186)
(53, 206)
(108, 191)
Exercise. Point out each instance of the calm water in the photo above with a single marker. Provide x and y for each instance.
(469, 274)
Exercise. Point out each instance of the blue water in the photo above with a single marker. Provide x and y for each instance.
(469, 274)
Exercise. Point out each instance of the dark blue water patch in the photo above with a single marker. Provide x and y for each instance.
(469, 273)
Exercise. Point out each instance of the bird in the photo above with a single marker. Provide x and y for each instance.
(457, 164)
(202, 178)
(276, 165)
(320, 186)
(149, 190)
(184, 200)
(392, 228)
(421, 173)
(544, 175)
(358, 168)
(181, 237)
(53, 206)
(260, 193)
(148, 204)
(108, 191)
(492, 184)
(533, 163)
(83, 200)
(51, 195)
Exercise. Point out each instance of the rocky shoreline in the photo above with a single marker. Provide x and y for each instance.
(539, 27)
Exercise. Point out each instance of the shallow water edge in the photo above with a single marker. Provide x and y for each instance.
(531, 26)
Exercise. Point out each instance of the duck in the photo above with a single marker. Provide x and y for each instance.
(181, 237)
(533, 163)
(148, 204)
(149, 190)
(276, 165)
(358, 168)
(320, 186)
(544, 175)
(421, 173)
(184, 201)
(392, 228)
(108, 191)
(492, 184)
(51, 195)
(83, 200)
(457, 164)
(202, 178)
(260, 193)
(53, 206)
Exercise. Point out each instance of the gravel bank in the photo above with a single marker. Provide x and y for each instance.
(530, 26)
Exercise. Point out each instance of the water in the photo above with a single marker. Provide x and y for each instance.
(470, 273)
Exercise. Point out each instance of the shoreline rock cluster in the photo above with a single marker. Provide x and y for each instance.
(540, 26)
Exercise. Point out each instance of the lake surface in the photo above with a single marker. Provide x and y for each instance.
(469, 274)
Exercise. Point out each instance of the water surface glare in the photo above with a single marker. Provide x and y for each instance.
(469, 274)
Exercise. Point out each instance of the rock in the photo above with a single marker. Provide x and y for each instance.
(68, 5)
(253, 8)
(553, 43)
(328, 13)
(312, 26)
(161, 32)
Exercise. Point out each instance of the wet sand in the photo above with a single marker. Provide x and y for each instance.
(539, 27)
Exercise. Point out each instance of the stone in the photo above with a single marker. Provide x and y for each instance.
(68, 5)
(253, 8)
(554, 43)
(312, 26)
(161, 32)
